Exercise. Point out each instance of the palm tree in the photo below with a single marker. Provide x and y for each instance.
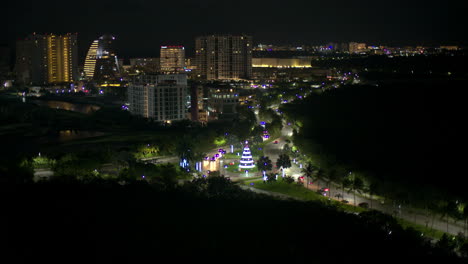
(283, 161)
(334, 175)
(354, 184)
(308, 170)
(319, 175)
(345, 183)
(372, 190)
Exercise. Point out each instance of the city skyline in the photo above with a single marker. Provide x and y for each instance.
(297, 22)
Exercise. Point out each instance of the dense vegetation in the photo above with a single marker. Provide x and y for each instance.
(401, 137)
(206, 219)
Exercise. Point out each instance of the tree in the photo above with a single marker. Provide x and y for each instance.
(184, 148)
(308, 171)
(334, 175)
(232, 140)
(264, 164)
(283, 161)
(257, 139)
(288, 179)
(319, 174)
(271, 177)
(354, 184)
(286, 149)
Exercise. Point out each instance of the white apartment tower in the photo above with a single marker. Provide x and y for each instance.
(159, 97)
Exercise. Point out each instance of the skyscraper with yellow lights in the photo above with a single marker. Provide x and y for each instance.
(62, 63)
(47, 59)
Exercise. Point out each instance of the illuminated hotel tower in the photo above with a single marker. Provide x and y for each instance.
(47, 59)
(101, 63)
(172, 59)
(62, 58)
(90, 61)
(225, 57)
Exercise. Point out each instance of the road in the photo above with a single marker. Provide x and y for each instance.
(410, 214)
(272, 151)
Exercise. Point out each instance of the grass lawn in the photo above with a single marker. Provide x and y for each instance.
(436, 234)
(299, 192)
(232, 155)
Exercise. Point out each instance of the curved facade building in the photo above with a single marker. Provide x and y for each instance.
(90, 61)
(101, 62)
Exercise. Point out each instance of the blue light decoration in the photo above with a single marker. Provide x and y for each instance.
(184, 164)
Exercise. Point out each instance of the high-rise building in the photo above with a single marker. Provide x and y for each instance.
(224, 57)
(159, 97)
(42, 59)
(172, 59)
(62, 58)
(101, 63)
(90, 60)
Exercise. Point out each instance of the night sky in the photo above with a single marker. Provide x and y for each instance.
(142, 26)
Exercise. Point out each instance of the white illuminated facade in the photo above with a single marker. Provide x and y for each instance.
(159, 97)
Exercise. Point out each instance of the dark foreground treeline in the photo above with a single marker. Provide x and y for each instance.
(404, 139)
(210, 220)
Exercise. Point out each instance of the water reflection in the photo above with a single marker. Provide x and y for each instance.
(82, 108)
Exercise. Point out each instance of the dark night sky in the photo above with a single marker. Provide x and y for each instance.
(142, 26)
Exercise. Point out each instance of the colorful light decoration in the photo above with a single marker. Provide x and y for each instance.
(246, 161)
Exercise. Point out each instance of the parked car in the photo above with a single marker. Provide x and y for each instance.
(276, 142)
(363, 205)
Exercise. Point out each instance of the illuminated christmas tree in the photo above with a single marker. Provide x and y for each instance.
(246, 161)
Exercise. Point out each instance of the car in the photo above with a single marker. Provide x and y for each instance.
(363, 205)
(345, 201)
(276, 142)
